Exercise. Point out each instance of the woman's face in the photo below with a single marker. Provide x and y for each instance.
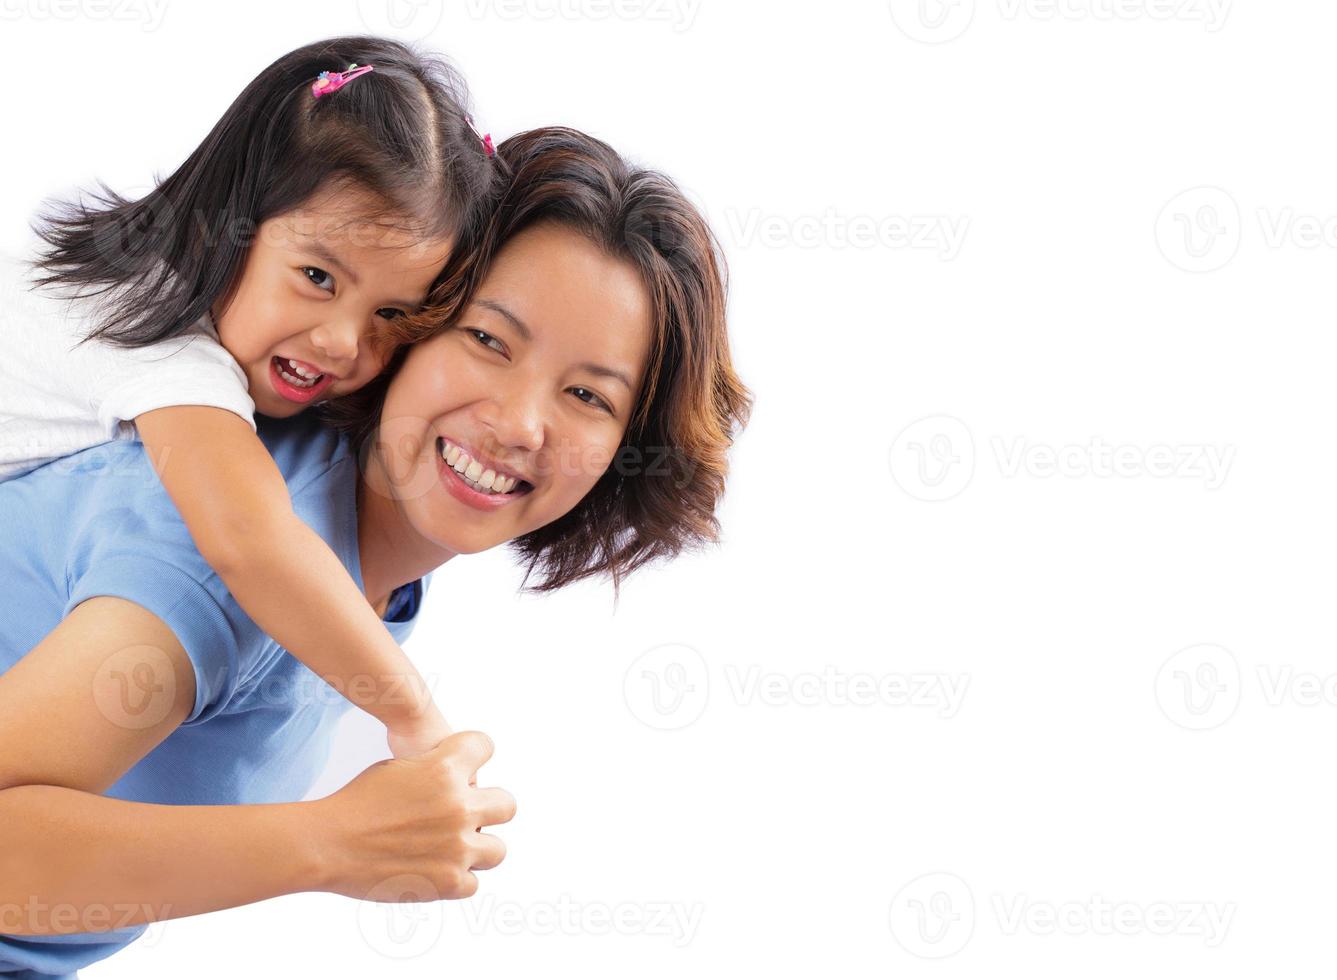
(505, 421)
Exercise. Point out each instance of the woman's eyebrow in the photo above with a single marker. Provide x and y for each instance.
(511, 318)
(524, 331)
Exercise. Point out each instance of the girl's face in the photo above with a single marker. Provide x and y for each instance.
(503, 422)
(318, 287)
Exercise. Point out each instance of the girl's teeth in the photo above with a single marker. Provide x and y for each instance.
(295, 374)
(302, 381)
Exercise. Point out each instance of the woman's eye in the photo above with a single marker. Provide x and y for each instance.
(487, 340)
(390, 313)
(593, 399)
(319, 277)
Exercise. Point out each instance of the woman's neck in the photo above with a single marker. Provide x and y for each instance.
(391, 552)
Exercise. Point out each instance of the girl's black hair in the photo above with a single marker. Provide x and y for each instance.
(400, 132)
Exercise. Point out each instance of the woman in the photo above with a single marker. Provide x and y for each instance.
(590, 366)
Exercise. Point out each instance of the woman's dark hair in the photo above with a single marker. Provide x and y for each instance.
(400, 132)
(660, 493)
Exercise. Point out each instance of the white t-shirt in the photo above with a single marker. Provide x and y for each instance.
(58, 397)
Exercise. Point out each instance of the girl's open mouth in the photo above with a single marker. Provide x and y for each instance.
(297, 381)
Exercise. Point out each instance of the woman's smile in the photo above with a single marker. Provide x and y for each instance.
(473, 483)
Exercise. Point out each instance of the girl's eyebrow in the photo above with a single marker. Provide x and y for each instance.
(319, 249)
(322, 252)
(527, 335)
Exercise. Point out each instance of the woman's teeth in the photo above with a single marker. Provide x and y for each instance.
(473, 473)
(295, 374)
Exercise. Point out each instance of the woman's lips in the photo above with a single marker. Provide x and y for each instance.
(464, 493)
(292, 392)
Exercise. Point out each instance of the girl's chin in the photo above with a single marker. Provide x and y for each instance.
(277, 408)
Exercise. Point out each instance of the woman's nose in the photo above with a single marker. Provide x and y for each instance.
(515, 417)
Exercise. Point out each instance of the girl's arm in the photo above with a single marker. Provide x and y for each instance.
(74, 861)
(234, 502)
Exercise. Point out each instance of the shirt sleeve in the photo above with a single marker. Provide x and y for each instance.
(191, 369)
(189, 611)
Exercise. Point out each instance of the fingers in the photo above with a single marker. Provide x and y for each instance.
(489, 852)
(492, 805)
(469, 750)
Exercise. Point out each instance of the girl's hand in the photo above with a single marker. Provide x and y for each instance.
(408, 830)
(419, 736)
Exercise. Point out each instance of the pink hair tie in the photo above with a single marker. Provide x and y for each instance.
(327, 82)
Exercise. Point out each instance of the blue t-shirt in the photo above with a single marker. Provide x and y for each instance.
(98, 523)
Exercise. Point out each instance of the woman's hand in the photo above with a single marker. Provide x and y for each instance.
(409, 829)
(418, 736)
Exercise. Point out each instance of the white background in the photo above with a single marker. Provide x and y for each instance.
(1090, 242)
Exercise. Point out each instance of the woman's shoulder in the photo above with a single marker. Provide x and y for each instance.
(304, 449)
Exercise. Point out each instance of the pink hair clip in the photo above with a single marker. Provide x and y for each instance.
(331, 81)
(485, 139)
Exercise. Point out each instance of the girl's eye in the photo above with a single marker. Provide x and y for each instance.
(390, 313)
(594, 399)
(319, 277)
(487, 340)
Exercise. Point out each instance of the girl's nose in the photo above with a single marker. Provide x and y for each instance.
(337, 340)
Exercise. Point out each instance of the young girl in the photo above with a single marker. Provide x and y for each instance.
(271, 271)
